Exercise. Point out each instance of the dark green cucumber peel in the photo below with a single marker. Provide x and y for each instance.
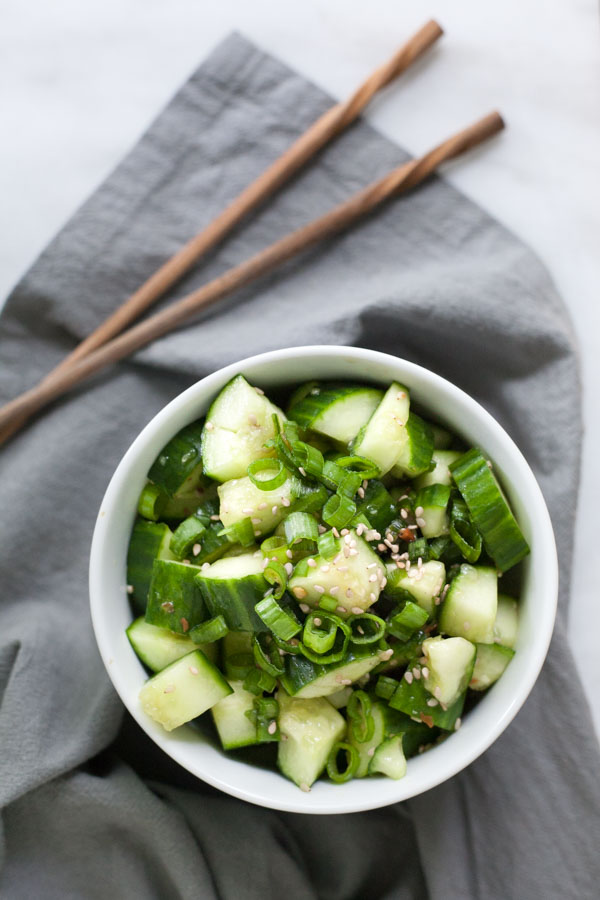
(377, 505)
(413, 699)
(490, 512)
(179, 462)
(174, 600)
(235, 599)
(149, 541)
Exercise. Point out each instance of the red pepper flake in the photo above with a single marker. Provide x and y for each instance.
(407, 535)
(426, 719)
(184, 624)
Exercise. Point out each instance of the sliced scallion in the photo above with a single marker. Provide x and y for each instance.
(362, 724)
(257, 681)
(264, 483)
(282, 622)
(352, 761)
(212, 630)
(338, 511)
(366, 628)
(266, 655)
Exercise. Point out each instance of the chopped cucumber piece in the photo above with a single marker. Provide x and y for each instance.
(450, 664)
(304, 678)
(389, 759)
(489, 510)
(232, 587)
(178, 467)
(417, 450)
(157, 647)
(149, 541)
(433, 502)
(490, 663)
(469, 609)
(183, 691)
(311, 727)
(237, 427)
(340, 698)
(241, 499)
(386, 722)
(422, 583)
(234, 727)
(338, 411)
(384, 436)
(237, 654)
(347, 578)
(440, 474)
(174, 600)
(413, 698)
(506, 625)
(377, 505)
(442, 438)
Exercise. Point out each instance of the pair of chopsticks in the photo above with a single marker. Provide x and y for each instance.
(113, 340)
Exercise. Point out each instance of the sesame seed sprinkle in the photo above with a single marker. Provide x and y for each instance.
(425, 671)
(317, 621)
(345, 681)
(253, 420)
(169, 689)
(372, 597)
(382, 548)
(214, 518)
(193, 670)
(341, 609)
(403, 513)
(274, 510)
(305, 787)
(299, 592)
(262, 505)
(130, 589)
(421, 522)
(361, 493)
(325, 568)
(256, 520)
(289, 554)
(408, 677)
(196, 549)
(349, 592)
(419, 511)
(285, 501)
(272, 727)
(356, 610)
(437, 691)
(288, 568)
(334, 589)
(305, 607)
(373, 577)
(205, 566)
(457, 724)
(209, 426)
(310, 562)
(319, 589)
(302, 470)
(248, 510)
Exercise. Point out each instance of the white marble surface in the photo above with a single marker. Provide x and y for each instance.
(81, 81)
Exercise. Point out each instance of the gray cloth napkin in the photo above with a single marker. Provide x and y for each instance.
(91, 808)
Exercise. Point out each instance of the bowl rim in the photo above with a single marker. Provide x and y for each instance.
(453, 762)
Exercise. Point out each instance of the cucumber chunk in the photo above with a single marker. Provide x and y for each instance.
(304, 678)
(237, 427)
(433, 500)
(469, 609)
(157, 647)
(233, 726)
(346, 578)
(490, 663)
(311, 727)
(148, 541)
(417, 449)
(178, 467)
(232, 587)
(377, 505)
(423, 583)
(241, 499)
(506, 625)
(440, 474)
(389, 759)
(386, 722)
(449, 664)
(412, 697)
(174, 601)
(338, 411)
(489, 510)
(384, 436)
(183, 690)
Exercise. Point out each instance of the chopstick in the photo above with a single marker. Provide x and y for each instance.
(399, 180)
(323, 130)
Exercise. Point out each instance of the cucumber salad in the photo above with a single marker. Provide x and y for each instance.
(321, 581)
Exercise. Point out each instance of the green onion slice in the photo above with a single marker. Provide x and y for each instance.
(212, 630)
(241, 532)
(358, 711)
(267, 656)
(151, 502)
(385, 687)
(403, 624)
(276, 575)
(238, 665)
(352, 762)
(319, 633)
(301, 527)
(264, 713)
(275, 547)
(257, 681)
(282, 622)
(361, 464)
(366, 628)
(338, 511)
(308, 458)
(327, 545)
(265, 483)
(342, 634)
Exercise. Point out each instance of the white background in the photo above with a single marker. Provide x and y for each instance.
(81, 79)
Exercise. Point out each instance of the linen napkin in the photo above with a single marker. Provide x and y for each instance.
(90, 807)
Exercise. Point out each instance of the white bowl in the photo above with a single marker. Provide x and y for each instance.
(448, 405)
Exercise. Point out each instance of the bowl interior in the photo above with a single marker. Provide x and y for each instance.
(446, 404)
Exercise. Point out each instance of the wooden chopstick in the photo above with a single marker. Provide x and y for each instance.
(324, 129)
(397, 181)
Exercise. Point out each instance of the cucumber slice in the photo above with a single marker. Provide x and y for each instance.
(389, 759)
(347, 578)
(377, 505)
(303, 678)
(186, 538)
(506, 625)
(450, 665)
(157, 647)
(311, 727)
(178, 467)
(490, 663)
(422, 583)
(183, 691)
(241, 499)
(440, 474)
(237, 654)
(174, 601)
(417, 449)
(412, 697)
(232, 587)
(386, 722)
(148, 541)
(385, 435)
(489, 510)
(233, 726)
(189, 501)
(237, 427)
(338, 411)
(340, 698)
(469, 609)
(433, 500)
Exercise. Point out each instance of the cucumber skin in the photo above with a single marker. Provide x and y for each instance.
(301, 672)
(174, 582)
(148, 541)
(178, 460)
(237, 610)
(377, 505)
(412, 700)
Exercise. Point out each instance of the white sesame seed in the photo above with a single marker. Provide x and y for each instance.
(288, 568)
(299, 592)
(248, 511)
(360, 629)
(416, 672)
(302, 470)
(317, 621)
(310, 562)
(130, 589)
(344, 532)
(382, 548)
(209, 426)
(373, 577)
(274, 510)
(325, 568)
(421, 522)
(349, 592)
(419, 511)
(285, 501)
(425, 671)
(253, 420)
(272, 727)
(457, 724)
(262, 505)
(334, 589)
(408, 676)
(214, 518)
(322, 529)
(205, 566)
(345, 681)
(403, 513)
(357, 610)
(259, 390)
(256, 520)
(289, 554)
(437, 691)
(361, 492)
(420, 562)
(341, 609)
(371, 565)
(372, 597)
(305, 787)
(353, 552)
(373, 535)
(319, 589)
(346, 551)
(386, 654)
(196, 549)
(360, 528)
(336, 533)
(193, 670)
(257, 532)
(305, 607)
(169, 689)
